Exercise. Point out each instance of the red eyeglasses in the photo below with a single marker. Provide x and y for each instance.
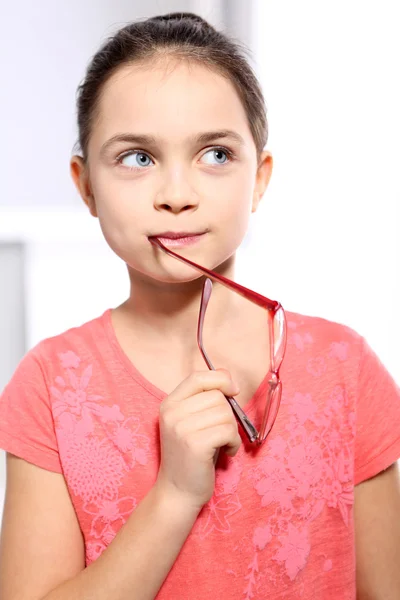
(277, 340)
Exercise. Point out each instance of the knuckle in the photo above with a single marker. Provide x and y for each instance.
(218, 397)
(234, 429)
(198, 375)
(226, 375)
(230, 430)
(199, 379)
(225, 412)
(179, 430)
(167, 418)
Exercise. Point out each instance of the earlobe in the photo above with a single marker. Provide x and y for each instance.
(264, 172)
(256, 201)
(79, 174)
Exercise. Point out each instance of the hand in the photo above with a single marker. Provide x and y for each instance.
(196, 420)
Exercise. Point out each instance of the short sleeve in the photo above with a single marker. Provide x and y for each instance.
(377, 441)
(26, 420)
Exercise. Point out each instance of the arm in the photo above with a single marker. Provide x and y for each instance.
(42, 550)
(377, 530)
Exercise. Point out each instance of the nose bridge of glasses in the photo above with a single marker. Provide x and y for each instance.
(273, 379)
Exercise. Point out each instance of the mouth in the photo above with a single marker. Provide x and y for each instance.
(176, 239)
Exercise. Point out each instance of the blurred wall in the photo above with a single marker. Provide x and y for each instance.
(12, 319)
(12, 307)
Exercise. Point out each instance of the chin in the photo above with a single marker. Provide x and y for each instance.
(175, 274)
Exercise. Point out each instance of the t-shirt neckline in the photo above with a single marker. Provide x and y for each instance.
(150, 387)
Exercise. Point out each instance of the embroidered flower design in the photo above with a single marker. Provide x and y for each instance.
(303, 407)
(261, 537)
(76, 400)
(301, 476)
(339, 350)
(274, 482)
(69, 360)
(294, 550)
(110, 515)
(352, 422)
(227, 475)
(216, 513)
(93, 468)
(316, 366)
(94, 550)
(300, 340)
(306, 464)
(306, 469)
(129, 441)
(338, 491)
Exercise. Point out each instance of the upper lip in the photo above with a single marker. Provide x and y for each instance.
(177, 234)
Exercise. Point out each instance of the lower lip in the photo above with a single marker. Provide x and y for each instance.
(186, 241)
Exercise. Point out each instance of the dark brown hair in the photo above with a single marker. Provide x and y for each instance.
(179, 35)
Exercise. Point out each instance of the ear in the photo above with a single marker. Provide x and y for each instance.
(264, 171)
(80, 175)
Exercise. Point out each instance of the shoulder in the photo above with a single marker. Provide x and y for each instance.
(69, 346)
(67, 350)
(319, 334)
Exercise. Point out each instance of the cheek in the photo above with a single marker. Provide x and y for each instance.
(118, 221)
(238, 210)
(237, 204)
(118, 207)
(113, 231)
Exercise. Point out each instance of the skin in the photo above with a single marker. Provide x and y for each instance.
(183, 185)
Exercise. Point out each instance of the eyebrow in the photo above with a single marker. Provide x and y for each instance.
(203, 138)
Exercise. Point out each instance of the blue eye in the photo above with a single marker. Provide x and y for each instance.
(136, 164)
(219, 151)
(139, 159)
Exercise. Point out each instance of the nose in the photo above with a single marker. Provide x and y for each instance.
(176, 192)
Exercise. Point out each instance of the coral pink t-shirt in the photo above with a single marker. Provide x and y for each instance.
(280, 522)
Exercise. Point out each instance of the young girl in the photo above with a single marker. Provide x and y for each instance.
(115, 488)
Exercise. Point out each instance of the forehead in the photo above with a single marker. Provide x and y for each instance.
(169, 99)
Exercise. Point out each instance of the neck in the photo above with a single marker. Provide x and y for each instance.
(160, 311)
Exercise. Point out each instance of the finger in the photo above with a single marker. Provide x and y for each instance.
(217, 437)
(202, 401)
(217, 415)
(203, 381)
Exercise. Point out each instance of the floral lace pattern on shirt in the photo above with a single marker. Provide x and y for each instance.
(305, 468)
(95, 468)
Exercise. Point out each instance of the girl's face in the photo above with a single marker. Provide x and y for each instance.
(174, 180)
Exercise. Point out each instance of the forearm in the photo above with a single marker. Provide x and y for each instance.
(137, 561)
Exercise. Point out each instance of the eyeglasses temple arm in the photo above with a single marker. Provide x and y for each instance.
(241, 416)
(236, 287)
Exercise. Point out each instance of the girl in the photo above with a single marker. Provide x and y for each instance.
(115, 488)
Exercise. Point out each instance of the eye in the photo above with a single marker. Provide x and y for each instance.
(217, 152)
(137, 159)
